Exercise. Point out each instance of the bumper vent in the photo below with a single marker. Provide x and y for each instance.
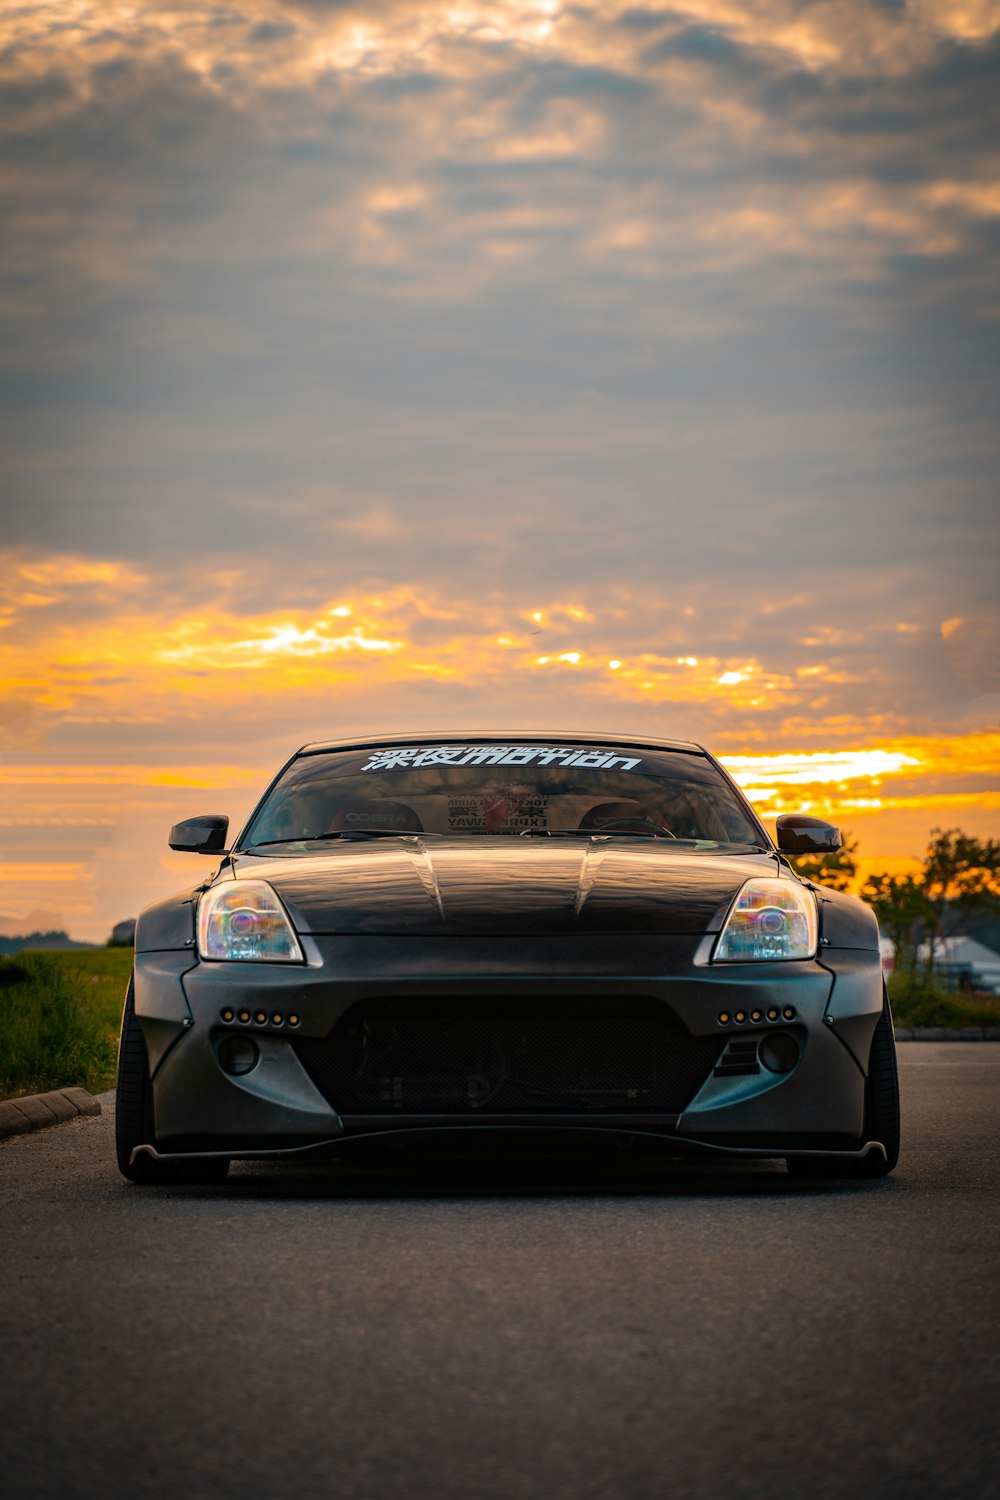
(523, 1056)
(740, 1056)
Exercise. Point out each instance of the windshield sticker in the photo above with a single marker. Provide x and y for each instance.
(503, 808)
(410, 756)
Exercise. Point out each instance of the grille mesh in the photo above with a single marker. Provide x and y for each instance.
(523, 1056)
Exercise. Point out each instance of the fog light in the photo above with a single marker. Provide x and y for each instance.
(779, 1052)
(238, 1054)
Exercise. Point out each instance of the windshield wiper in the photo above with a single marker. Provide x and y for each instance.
(550, 833)
(640, 833)
(600, 833)
(342, 833)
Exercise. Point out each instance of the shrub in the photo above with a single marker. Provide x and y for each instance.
(917, 1002)
(58, 1024)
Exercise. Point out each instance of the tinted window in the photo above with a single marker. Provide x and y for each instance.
(468, 790)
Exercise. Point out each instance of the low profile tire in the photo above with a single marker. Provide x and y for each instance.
(134, 1115)
(881, 1115)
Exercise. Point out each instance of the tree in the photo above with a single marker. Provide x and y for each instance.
(961, 876)
(836, 870)
(901, 906)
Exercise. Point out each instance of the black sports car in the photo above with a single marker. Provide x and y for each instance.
(558, 939)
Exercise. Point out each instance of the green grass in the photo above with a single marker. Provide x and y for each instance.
(916, 1003)
(59, 1019)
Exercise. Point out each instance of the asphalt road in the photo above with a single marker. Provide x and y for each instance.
(553, 1331)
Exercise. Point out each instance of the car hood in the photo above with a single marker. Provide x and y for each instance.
(498, 886)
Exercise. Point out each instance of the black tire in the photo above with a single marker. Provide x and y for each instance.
(881, 1115)
(134, 1115)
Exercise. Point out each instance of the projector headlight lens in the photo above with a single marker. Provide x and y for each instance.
(770, 919)
(244, 920)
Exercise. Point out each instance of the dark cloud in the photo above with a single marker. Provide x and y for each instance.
(272, 31)
(405, 85)
(587, 81)
(647, 20)
(705, 44)
(18, 95)
(645, 298)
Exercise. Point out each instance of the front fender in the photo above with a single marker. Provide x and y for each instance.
(168, 925)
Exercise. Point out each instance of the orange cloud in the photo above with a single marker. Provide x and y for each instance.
(90, 656)
(40, 872)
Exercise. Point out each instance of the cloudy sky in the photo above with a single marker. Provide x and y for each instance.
(466, 365)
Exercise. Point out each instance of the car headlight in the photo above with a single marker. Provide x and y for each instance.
(245, 920)
(770, 919)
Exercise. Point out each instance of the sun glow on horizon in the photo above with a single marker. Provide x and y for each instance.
(93, 674)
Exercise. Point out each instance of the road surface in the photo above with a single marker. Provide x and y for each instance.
(497, 1332)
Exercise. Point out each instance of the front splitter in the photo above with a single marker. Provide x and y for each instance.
(553, 1136)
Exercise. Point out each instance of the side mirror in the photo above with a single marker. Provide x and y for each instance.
(205, 835)
(799, 834)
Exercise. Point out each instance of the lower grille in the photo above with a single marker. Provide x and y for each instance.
(531, 1056)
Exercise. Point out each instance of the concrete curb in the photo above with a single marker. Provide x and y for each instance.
(37, 1111)
(948, 1034)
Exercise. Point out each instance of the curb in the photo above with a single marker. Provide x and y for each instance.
(37, 1111)
(944, 1034)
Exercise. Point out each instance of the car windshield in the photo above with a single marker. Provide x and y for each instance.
(467, 790)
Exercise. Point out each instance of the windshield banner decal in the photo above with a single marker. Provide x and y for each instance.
(409, 756)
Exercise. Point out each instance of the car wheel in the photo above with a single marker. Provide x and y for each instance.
(881, 1114)
(134, 1115)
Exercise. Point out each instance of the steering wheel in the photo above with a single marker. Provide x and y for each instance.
(643, 823)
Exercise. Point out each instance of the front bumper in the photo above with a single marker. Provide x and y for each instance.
(277, 1109)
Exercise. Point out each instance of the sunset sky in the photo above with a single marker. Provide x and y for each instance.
(477, 365)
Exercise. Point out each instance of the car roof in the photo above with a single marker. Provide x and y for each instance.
(479, 737)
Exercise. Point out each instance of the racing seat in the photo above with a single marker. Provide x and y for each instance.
(379, 813)
(628, 809)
